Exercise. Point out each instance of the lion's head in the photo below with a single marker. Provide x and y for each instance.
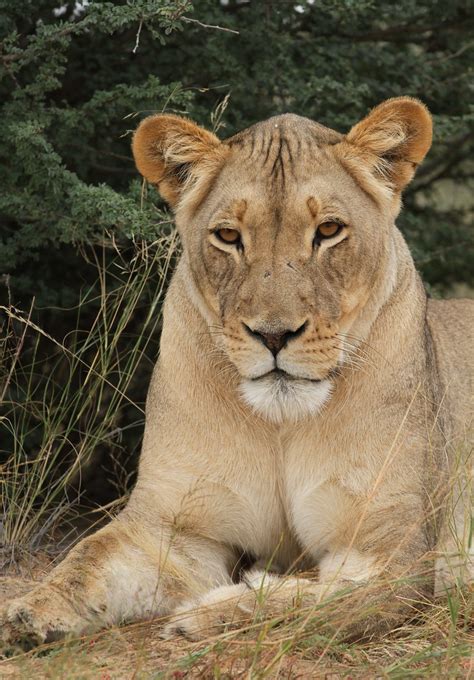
(288, 232)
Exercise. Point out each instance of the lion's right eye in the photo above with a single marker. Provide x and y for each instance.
(229, 236)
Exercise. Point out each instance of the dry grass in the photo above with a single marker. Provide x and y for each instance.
(440, 644)
(62, 399)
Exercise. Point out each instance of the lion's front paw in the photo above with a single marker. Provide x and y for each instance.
(40, 616)
(218, 610)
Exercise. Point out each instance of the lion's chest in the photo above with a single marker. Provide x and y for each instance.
(262, 527)
(302, 500)
(299, 498)
(323, 492)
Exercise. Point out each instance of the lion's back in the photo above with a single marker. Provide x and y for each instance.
(452, 328)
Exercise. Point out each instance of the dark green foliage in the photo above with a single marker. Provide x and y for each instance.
(71, 90)
(74, 85)
(75, 80)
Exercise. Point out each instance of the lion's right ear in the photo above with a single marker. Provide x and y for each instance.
(173, 153)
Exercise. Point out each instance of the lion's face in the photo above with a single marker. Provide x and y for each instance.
(287, 245)
(285, 249)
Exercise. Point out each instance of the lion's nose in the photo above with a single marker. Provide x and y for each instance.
(275, 341)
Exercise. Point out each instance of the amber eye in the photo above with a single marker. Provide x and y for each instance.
(327, 230)
(230, 236)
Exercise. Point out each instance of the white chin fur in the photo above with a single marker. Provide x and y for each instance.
(278, 399)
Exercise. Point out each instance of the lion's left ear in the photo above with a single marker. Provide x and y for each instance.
(394, 138)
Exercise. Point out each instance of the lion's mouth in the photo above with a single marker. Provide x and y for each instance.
(281, 375)
(278, 395)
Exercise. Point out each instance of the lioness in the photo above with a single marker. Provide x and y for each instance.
(310, 408)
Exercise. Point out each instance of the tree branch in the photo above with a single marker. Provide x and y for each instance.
(188, 20)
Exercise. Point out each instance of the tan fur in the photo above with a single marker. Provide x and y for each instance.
(354, 476)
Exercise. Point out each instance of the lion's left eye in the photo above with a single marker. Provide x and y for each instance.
(327, 230)
(231, 236)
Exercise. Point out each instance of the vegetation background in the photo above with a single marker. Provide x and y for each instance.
(86, 248)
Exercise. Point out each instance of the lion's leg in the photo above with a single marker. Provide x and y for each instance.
(353, 595)
(118, 574)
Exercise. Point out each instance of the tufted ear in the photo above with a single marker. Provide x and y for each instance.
(393, 140)
(173, 153)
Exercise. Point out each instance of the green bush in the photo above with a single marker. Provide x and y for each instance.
(76, 80)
